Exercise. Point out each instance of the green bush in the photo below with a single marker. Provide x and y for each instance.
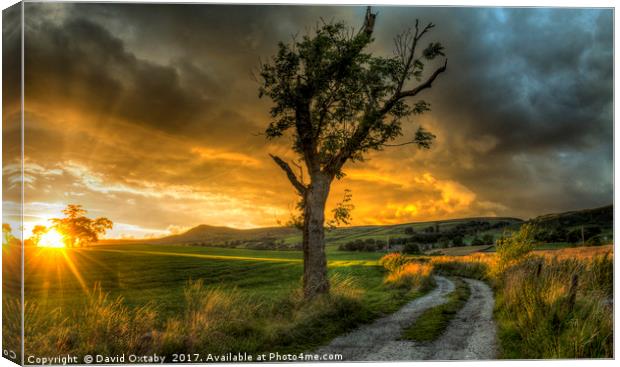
(517, 246)
(412, 249)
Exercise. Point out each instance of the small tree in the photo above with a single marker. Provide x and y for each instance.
(457, 240)
(340, 103)
(412, 249)
(37, 232)
(517, 246)
(79, 230)
(7, 235)
(488, 239)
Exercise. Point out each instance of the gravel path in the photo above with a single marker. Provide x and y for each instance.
(470, 335)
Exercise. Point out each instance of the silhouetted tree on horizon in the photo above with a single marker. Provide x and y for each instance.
(79, 230)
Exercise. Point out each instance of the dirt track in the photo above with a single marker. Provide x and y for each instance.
(470, 335)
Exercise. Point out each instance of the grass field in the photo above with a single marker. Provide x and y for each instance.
(174, 294)
(190, 299)
(143, 273)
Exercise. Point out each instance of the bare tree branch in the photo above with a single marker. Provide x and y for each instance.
(370, 119)
(398, 145)
(369, 22)
(412, 92)
(427, 84)
(301, 188)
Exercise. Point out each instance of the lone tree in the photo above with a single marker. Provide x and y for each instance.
(339, 102)
(79, 230)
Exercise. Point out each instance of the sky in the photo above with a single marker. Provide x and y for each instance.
(149, 115)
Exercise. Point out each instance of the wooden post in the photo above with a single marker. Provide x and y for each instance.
(539, 268)
(572, 292)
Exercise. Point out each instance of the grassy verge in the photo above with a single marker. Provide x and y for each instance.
(434, 321)
(552, 304)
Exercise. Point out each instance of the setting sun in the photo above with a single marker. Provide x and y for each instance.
(52, 238)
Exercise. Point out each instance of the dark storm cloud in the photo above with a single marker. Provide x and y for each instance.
(538, 83)
(87, 67)
(523, 114)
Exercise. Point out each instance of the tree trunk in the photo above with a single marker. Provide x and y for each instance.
(315, 261)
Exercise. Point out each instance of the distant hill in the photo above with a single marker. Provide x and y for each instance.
(290, 238)
(601, 217)
(218, 236)
(206, 233)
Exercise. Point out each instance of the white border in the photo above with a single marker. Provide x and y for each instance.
(471, 3)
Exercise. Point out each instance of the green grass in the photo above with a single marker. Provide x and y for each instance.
(433, 322)
(142, 273)
(152, 280)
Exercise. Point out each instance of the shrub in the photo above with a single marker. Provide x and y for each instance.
(457, 240)
(369, 245)
(594, 241)
(393, 261)
(412, 249)
(517, 246)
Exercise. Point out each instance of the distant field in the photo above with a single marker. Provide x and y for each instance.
(458, 251)
(544, 248)
(158, 273)
(342, 235)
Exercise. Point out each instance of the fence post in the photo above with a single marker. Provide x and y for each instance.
(572, 292)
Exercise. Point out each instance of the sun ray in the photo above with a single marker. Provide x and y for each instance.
(75, 272)
(52, 239)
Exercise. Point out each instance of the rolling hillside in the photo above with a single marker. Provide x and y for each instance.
(210, 235)
(289, 238)
(603, 217)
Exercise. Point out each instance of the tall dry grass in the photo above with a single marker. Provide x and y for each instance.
(557, 308)
(104, 326)
(393, 261)
(214, 320)
(406, 272)
(297, 321)
(412, 275)
(554, 304)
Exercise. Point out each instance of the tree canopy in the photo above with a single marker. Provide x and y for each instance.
(338, 102)
(355, 102)
(79, 230)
